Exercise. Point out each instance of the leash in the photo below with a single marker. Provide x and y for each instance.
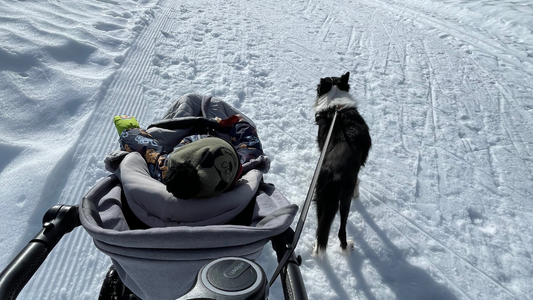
(305, 209)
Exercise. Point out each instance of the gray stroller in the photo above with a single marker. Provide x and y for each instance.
(208, 255)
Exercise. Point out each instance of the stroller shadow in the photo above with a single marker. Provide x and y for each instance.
(408, 282)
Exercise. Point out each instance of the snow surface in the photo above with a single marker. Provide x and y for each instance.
(446, 87)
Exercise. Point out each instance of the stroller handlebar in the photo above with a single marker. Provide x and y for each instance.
(58, 221)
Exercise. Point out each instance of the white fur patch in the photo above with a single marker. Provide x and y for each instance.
(333, 98)
(317, 253)
(349, 248)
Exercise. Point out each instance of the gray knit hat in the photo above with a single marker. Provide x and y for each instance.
(203, 168)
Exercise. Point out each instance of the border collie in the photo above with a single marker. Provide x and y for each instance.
(347, 152)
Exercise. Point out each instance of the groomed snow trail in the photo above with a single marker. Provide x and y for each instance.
(446, 88)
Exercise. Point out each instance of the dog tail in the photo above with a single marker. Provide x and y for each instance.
(326, 212)
(322, 236)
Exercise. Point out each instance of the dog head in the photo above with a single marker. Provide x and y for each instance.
(332, 91)
(326, 84)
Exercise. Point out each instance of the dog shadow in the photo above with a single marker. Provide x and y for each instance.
(408, 282)
(331, 275)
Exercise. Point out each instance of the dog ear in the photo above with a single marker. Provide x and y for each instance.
(343, 84)
(345, 78)
(324, 87)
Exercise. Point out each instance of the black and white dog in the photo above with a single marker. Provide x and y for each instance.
(347, 152)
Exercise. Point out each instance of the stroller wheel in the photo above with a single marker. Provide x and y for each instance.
(114, 289)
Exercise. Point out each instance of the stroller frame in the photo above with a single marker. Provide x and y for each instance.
(63, 219)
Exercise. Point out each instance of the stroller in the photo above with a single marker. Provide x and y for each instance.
(210, 256)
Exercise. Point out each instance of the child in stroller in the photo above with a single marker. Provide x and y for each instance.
(189, 156)
(201, 165)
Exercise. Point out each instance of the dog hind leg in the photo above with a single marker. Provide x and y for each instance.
(356, 190)
(344, 210)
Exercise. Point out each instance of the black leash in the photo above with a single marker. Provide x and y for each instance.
(305, 209)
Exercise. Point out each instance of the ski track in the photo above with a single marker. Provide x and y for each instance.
(418, 227)
(434, 92)
(124, 95)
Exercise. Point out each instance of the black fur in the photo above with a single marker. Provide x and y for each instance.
(347, 152)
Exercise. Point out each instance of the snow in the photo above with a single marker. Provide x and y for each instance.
(446, 88)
